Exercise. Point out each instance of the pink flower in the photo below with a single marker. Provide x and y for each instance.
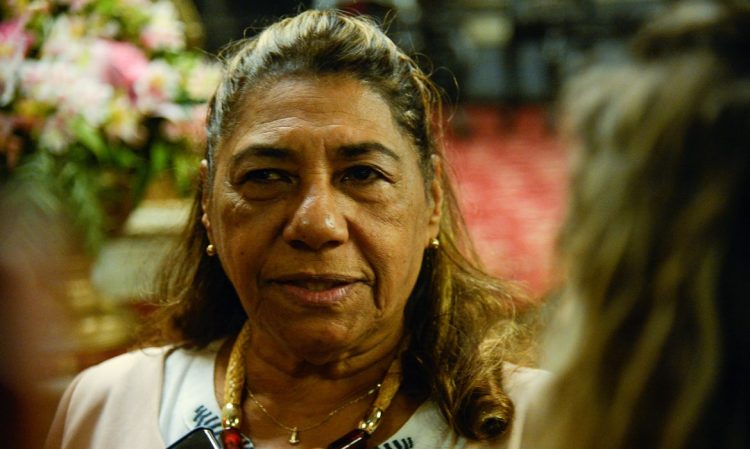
(13, 35)
(157, 87)
(14, 45)
(125, 65)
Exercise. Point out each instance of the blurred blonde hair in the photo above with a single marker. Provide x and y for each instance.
(656, 243)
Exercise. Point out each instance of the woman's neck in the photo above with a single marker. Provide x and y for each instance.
(276, 367)
(276, 372)
(299, 393)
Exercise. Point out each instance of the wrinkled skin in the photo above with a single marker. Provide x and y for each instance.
(320, 215)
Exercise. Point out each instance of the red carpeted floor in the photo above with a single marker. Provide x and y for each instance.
(512, 176)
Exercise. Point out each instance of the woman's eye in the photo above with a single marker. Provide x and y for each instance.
(265, 176)
(361, 173)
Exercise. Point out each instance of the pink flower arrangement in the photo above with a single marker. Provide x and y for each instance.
(125, 64)
(13, 34)
(92, 91)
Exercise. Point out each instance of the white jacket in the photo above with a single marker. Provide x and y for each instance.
(115, 405)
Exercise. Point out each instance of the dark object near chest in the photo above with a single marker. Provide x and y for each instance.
(200, 438)
(356, 439)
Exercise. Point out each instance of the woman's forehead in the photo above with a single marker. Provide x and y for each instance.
(329, 111)
(314, 95)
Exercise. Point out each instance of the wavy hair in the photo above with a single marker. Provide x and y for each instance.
(656, 243)
(461, 321)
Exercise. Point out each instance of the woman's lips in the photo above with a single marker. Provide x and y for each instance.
(317, 291)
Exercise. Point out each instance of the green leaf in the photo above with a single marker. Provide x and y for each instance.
(40, 182)
(185, 172)
(141, 178)
(125, 157)
(90, 138)
(85, 207)
(160, 155)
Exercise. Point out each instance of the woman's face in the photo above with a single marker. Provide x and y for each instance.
(320, 215)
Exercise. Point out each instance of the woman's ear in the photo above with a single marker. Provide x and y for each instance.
(203, 170)
(436, 197)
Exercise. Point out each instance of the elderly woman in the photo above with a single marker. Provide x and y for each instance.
(322, 296)
(652, 350)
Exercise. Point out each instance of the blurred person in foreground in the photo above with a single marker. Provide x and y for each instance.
(325, 293)
(35, 337)
(651, 346)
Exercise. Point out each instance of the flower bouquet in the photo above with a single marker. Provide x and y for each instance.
(97, 99)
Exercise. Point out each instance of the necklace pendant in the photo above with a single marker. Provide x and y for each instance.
(294, 436)
(231, 438)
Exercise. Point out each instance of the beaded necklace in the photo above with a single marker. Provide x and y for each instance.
(231, 413)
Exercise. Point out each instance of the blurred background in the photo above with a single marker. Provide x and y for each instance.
(101, 110)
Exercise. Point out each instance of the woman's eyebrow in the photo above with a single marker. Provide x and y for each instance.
(262, 152)
(360, 149)
(348, 152)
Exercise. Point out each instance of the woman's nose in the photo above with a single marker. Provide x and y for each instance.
(317, 222)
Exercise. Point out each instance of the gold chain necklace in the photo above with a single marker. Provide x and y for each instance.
(294, 430)
(231, 413)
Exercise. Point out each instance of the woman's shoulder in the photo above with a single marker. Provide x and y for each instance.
(141, 368)
(119, 370)
(520, 381)
(523, 385)
(122, 390)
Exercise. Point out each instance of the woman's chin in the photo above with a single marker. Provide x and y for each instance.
(321, 349)
(324, 343)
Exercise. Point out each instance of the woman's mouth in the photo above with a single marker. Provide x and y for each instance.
(315, 290)
(316, 285)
